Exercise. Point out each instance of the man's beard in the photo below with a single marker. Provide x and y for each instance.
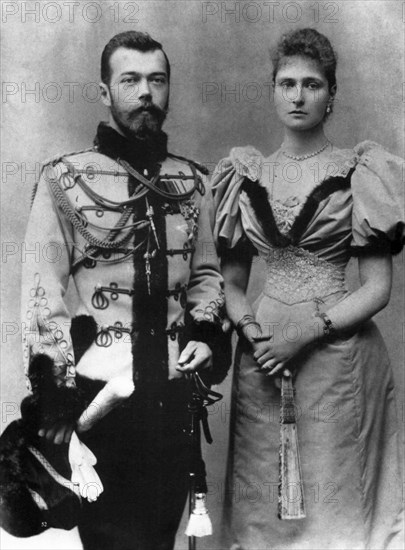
(144, 123)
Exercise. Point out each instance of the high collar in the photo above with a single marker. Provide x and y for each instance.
(137, 152)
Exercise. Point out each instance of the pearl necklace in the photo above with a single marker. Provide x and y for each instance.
(309, 155)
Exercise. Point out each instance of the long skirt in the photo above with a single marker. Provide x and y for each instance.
(348, 441)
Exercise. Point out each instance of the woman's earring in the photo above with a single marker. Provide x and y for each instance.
(328, 109)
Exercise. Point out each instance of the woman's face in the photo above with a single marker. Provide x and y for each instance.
(301, 93)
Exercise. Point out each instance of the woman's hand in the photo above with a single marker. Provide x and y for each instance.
(273, 356)
(273, 353)
(195, 356)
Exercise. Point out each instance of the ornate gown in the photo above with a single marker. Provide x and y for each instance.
(347, 427)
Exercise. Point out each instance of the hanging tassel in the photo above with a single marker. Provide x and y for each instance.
(199, 523)
(291, 503)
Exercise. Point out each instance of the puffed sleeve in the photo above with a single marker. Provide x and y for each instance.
(45, 275)
(226, 185)
(378, 200)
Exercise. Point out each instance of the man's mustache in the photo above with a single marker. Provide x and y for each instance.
(149, 108)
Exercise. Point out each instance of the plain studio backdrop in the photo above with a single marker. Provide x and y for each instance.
(220, 97)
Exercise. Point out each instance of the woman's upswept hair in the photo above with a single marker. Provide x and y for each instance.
(309, 43)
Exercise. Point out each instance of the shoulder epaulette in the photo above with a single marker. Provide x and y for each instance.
(203, 169)
(52, 161)
(57, 158)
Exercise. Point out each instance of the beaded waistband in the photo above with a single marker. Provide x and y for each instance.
(294, 275)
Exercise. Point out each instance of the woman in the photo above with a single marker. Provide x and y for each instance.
(305, 210)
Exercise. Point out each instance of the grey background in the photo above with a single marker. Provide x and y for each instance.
(213, 52)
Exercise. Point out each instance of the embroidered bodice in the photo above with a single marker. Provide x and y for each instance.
(295, 275)
(285, 213)
(306, 243)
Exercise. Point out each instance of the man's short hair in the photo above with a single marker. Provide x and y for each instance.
(133, 40)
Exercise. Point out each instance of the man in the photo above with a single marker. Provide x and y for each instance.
(128, 223)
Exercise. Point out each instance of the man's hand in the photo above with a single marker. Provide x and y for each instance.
(226, 325)
(59, 433)
(195, 356)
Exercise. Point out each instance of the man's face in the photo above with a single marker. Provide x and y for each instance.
(138, 92)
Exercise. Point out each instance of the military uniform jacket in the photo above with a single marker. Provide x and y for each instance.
(137, 246)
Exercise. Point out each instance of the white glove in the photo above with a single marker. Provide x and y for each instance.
(116, 391)
(84, 475)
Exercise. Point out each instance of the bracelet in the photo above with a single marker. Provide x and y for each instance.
(245, 321)
(328, 327)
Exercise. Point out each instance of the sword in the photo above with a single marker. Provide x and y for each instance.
(201, 396)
